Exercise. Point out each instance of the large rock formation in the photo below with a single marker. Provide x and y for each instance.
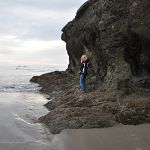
(117, 34)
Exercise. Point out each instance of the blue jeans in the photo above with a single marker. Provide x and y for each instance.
(82, 83)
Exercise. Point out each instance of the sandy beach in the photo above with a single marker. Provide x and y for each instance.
(116, 138)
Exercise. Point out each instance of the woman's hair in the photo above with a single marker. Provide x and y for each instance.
(83, 58)
(85, 48)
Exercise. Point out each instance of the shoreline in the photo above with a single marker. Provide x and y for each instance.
(19, 126)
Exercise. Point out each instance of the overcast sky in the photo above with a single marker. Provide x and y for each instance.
(30, 31)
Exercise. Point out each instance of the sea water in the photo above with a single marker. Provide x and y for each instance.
(20, 107)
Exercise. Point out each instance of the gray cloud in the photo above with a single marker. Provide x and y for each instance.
(6, 51)
(34, 20)
(44, 4)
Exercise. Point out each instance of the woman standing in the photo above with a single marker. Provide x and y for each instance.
(83, 72)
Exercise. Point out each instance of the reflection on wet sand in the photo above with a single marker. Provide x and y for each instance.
(18, 130)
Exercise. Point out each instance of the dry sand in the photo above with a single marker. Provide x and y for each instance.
(116, 138)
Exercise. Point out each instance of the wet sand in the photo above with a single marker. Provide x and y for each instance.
(116, 138)
(18, 114)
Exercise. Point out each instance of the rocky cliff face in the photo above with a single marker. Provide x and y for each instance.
(117, 34)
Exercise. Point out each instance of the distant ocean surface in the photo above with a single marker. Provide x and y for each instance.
(16, 78)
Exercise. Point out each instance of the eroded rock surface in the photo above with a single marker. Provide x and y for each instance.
(117, 34)
(69, 108)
